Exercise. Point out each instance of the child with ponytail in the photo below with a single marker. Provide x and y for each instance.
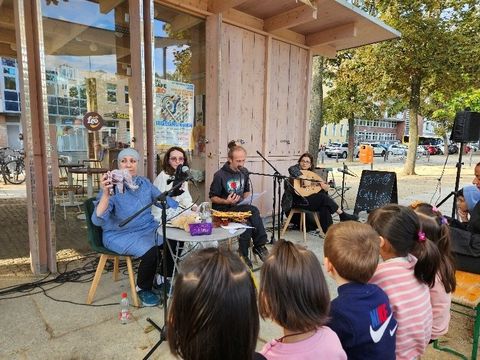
(437, 230)
(405, 278)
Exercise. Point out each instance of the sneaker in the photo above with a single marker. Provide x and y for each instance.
(261, 251)
(346, 217)
(158, 289)
(247, 261)
(148, 298)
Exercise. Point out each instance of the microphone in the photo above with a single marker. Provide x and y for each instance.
(175, 176)
(244, 170)
(346, 171)
(186, 174)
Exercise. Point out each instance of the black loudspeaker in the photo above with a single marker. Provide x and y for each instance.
(466, 127)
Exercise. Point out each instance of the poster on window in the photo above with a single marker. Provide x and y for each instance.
(173, 114)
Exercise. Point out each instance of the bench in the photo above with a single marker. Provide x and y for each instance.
(466, 297)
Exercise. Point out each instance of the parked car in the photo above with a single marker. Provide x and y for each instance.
(434, 150)
(337, 149)
(397, 149)
(453, 148)
(378, 150)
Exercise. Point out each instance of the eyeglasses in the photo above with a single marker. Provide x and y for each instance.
(179, 159)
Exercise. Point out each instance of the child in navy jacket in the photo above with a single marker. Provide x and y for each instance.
(361, 314)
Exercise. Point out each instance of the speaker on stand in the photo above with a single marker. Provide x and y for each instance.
(466, 128)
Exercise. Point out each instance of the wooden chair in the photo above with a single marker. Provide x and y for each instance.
(303, 222)
(95, 241)
(467, 297)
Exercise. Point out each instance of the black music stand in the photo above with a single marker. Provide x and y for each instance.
(457, 183)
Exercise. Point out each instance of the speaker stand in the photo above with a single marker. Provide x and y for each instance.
(457, 182)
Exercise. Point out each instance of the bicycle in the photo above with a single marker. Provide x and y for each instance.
(12, 167)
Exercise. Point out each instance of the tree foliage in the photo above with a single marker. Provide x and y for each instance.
(432, 55)
(347, 99)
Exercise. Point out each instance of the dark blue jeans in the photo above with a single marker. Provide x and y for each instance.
(257, 234)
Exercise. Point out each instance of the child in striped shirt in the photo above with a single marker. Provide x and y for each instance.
(436, 229)
(405, 279)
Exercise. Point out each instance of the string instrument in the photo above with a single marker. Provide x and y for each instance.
(309, 184)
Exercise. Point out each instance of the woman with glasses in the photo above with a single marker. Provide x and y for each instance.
(319, 202)
(174, 157)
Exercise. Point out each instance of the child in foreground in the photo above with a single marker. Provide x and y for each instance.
(405, 279)
(294, 294)
(361, 314)
(214, 313)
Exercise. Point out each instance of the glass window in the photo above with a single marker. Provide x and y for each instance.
(11, 95)
(126, 100)
(112, 93)
(86, 58)
(10, 83)
(12, 106)
(10, 71)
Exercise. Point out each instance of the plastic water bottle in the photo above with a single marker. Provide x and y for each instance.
(124, 315)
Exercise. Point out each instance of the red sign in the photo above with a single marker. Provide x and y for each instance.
(93, 121)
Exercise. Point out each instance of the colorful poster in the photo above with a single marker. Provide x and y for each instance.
(173, 114)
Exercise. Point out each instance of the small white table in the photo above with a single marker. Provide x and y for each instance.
(185, 239)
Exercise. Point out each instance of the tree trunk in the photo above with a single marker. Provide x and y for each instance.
(316, 116)
(414, 105)
(351, 137)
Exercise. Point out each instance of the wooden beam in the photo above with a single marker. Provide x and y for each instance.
(219, 6)
(327, 51)
(332, 34)
(183, 22)
(6, 16)
(6, 50)
(7, 36)
(311, 3)
(243, 18)
(108, 5)
(291, 18)
(289, 35)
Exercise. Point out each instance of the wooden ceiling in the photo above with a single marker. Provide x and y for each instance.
(8, 46)
(326, 26)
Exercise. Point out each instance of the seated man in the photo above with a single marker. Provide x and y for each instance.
(230, 186)
(466, 232)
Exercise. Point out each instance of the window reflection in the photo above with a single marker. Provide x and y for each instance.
(179, 103)
(87, 62)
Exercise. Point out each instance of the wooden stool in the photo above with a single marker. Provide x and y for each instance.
(466, 295)
(98, 275)
(303, 223)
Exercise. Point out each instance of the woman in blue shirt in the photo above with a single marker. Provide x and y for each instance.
(138, 237)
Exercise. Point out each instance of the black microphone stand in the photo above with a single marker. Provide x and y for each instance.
(342, 197)
(162, 199)
(277, 180)
(457, 184)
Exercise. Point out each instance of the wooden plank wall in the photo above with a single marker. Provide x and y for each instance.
(263, 103)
